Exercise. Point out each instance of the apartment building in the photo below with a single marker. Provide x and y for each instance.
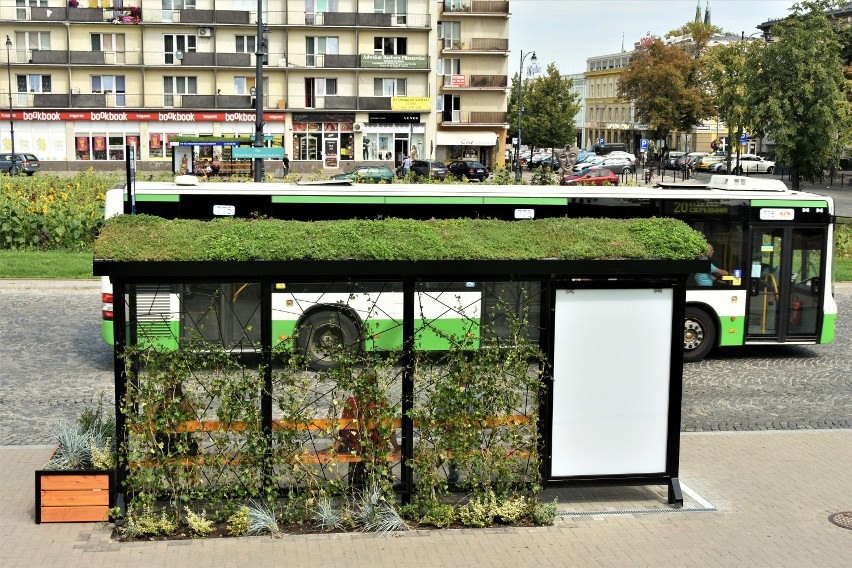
(344, 82)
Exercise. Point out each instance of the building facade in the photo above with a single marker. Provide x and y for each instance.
(344, 82)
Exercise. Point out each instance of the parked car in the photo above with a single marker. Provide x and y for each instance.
(618, 165)
(671, 158)
(588, 162)
(620, 154)
(24, 163)
(708, 162)
(368, 174)
(684, 158)
(590, 176)
(551, 161)
(470, 170)
(752, 164)
(535, 162)
(430, 169)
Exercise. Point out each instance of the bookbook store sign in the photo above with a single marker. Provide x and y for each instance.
(394, 62)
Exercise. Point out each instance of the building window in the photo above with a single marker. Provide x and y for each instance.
(318, 87)
(245, 44)
(390, 46)
(172, 44)
(112, 45)
(112, 86)
(178, 86)
(316, 47)
(389, 87)
(33, 83)
(450, 33)
(104, 145)
(26, 41)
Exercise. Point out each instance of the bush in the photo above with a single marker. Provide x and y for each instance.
(51, 213)
(199, 525)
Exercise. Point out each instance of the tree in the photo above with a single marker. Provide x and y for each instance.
(726, 68)
(664, 81)
(549, 106)
(796, 92)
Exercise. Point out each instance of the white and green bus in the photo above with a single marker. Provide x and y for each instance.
(773, 247)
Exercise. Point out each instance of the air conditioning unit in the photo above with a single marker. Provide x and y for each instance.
(282, 62)
(358, 127)
(205, 32)
(75, 90)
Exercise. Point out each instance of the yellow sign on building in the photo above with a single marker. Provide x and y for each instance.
(411, 103)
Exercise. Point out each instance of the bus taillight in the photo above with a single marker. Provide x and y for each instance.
(106, 308)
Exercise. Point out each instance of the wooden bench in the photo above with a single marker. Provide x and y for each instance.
(316, 456)
(226, 168)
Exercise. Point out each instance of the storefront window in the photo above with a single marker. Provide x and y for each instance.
(81, 148)
(307, 140)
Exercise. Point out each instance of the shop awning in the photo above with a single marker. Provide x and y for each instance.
(467, 139)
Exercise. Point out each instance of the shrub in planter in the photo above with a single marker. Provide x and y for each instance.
(77, 483)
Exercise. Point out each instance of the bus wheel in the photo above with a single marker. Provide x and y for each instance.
(324, 334)
(699, 334)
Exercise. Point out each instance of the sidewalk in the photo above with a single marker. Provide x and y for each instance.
(751, 499)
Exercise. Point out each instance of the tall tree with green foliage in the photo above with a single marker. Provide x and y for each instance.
(726, 69)
(664, 82)
(549, 106)
(796, 92)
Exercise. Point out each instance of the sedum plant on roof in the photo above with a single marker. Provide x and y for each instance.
(148, 238)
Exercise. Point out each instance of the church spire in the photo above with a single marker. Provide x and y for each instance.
(707, 13)
(697, 11)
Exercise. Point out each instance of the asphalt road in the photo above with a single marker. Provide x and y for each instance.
(54, 364)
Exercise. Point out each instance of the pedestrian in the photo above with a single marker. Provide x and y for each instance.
(215, 165)
(286, 162)
(406, 166)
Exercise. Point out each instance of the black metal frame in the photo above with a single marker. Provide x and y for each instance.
(551, 273)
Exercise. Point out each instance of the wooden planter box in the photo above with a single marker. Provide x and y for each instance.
(73, 496)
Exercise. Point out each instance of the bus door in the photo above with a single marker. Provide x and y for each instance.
(785, 282)
(227, 314)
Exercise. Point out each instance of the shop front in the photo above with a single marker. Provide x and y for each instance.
(83, 139)
(391, 136)
(480, 146)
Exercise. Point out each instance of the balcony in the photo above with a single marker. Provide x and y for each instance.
(348, 19)
(479, 118)
(487, 45)
(81, 98)
(476, 7)
(496, 82)
(121, 15)
(365, 61)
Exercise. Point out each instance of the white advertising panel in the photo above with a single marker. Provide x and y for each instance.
(611, 370)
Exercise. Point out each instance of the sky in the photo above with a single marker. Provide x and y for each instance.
(567, 32)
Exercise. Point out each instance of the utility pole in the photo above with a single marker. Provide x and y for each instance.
(260, 56)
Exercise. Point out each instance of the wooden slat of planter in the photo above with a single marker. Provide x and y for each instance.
(74, 498)
(73, 514)
(74, 482)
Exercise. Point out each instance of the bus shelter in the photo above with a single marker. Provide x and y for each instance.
(610, 334)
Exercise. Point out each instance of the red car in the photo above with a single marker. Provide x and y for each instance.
(591, 176)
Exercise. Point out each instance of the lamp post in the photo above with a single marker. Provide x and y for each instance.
(520, 110)
(13, 169)
(260, 56)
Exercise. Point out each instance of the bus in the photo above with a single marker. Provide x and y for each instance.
(773, 246)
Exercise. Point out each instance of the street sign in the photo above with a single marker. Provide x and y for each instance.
(744, 137)
(643, 144)
(248, 152)
(601, 141)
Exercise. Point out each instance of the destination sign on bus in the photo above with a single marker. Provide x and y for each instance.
(700, 208)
